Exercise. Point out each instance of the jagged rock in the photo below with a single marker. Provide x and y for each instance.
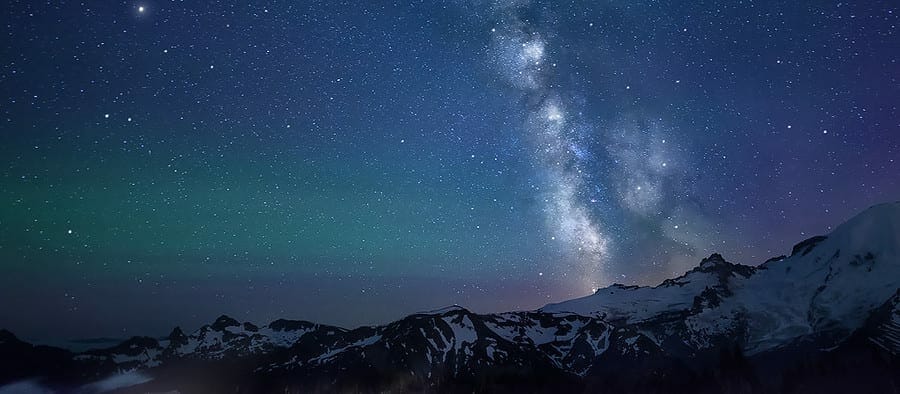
(224, 322)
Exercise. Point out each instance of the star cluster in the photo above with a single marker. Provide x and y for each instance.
(164, 162)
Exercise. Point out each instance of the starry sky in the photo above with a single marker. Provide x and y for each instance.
(164, 162)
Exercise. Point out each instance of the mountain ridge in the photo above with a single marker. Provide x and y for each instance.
(834, 294)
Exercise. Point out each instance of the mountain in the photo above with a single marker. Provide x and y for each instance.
(826, 318)
(828, 285)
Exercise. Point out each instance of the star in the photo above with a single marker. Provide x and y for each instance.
(582, 154)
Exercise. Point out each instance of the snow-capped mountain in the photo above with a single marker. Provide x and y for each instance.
(829, 284)
(834, 303)
(711, 281)
(224, 338)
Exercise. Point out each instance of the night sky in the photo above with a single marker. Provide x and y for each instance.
(165, 162)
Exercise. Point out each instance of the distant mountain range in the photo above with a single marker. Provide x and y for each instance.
(824, 319)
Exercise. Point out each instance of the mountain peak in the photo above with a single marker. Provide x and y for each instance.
(7, 336)
(713, 260)
(715, 263)
(807, 245)
(290, 325)
(876, 228)
(177, 334)
(224, 322)
(445, 310)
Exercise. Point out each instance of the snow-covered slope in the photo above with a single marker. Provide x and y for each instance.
(828, 285)
(635, 304)
(455, 341)
(886, 333)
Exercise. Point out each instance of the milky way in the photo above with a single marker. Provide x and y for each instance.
(641, 158)
(522, 57)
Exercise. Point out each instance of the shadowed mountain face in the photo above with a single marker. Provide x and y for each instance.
(824, 319)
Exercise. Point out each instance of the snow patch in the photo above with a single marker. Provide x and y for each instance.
(119, 381)
(25, 387)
